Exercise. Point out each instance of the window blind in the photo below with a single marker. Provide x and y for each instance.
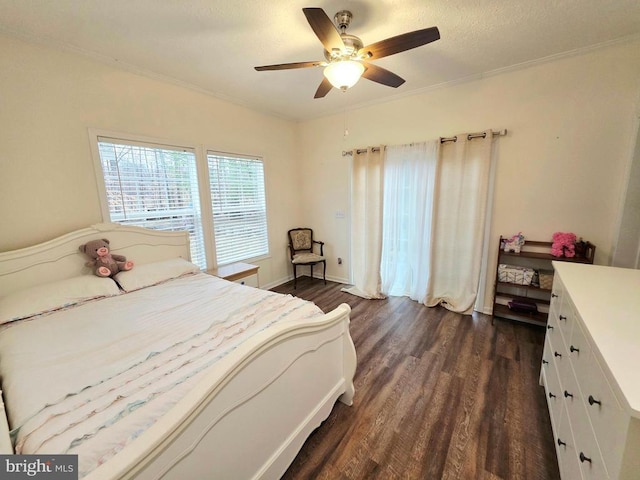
(153, 186)
(239, 207)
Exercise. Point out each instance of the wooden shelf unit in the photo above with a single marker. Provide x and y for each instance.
(537, 255)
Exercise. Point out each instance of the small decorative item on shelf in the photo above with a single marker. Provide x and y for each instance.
(564, 245)
(514, 243)
(535, 281)
(581, 248)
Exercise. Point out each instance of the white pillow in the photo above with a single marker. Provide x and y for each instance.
(53, 296)
(153, 273)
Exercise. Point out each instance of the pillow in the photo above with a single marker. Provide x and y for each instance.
(54, 296)
(153, 273)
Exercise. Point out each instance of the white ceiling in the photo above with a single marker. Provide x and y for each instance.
(213, 45)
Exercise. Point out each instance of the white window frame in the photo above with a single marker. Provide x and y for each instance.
(203, 182)
(261, 159)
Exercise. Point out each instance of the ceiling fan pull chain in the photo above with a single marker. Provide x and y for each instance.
(346, 122)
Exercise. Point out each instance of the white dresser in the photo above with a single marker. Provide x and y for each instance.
(591, 371)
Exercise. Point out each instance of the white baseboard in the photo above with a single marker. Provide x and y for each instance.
(339, 280)
(275, 283)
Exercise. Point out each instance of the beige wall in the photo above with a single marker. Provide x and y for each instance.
(571, 126)
(562, 166)
(50, 99)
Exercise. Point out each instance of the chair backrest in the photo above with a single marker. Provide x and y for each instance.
(300, 239)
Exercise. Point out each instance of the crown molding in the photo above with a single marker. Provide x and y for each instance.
(119, 64)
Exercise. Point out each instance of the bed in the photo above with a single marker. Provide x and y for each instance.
(147, 381)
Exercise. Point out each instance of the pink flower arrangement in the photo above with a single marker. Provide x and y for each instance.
(564, 245)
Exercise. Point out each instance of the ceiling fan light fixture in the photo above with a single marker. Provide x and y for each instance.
(344, 74)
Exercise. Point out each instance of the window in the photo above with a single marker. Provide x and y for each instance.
(239, 207)
(157, 186)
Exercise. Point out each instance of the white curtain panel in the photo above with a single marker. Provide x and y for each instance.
(366, 223)
(409, 183)
(459, 222)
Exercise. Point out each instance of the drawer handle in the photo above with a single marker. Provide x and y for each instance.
(584, 458)
(551, 395)
(593, 400)
(567, 394)
(556, 354)
(549, 327)
(553, 295)
(562, 317)
(574, 349)
(562, 444)
(544, 362)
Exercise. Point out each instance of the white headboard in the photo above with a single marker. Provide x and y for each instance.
(60, 258)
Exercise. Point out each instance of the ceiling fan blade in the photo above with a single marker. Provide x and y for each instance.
(324, 29)
(323, 89)
(400, 43)
(287, 66)
(381, 75)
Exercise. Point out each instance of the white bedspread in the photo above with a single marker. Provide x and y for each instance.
(90, 379)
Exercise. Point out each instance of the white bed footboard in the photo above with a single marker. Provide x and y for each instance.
(250, 416)
(5, 441)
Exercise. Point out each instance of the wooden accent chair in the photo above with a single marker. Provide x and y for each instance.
(301, 244)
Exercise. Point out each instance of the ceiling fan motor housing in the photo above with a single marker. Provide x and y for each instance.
(352, 45)
(343, 19)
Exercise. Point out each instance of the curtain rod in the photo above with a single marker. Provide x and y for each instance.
(499, 133)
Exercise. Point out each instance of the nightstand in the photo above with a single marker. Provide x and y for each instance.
(243, 273)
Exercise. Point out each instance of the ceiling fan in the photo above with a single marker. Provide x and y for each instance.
(346, 56)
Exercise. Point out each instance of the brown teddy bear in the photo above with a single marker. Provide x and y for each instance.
(105, 264)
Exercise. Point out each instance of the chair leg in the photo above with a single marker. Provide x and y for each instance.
(311, 271)
(295, 277)
(324, 271)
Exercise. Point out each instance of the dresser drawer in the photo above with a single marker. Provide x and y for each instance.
(557, 293)
(590, 459)
(609, 421)
(250, 280)
(239, 272)
(551, 384)
(555, 307)
(566, 450)
(559, 357)
(579, 351)
(566, 319)
(553, 328)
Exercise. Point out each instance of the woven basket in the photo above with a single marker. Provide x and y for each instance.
(515, 274)
(545, 277)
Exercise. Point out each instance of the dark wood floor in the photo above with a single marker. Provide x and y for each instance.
(438, 395)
